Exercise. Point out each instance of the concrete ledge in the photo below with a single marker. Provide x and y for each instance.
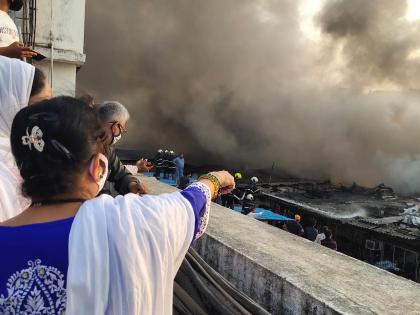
(290, 275)
(61, 55)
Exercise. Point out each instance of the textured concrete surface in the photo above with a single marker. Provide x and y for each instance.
(60, 25)
(290, 275)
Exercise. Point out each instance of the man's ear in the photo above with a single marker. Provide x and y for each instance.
(115, 130)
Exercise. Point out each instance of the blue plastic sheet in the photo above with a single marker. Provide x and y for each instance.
(267, 215)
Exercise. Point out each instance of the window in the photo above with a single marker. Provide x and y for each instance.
(406, 260)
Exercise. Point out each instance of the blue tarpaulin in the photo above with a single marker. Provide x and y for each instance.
(266, 215)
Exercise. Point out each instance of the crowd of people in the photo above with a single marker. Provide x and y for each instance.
(68, 246)
(310, 232)
(244, 195)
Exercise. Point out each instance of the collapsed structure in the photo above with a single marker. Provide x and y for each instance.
(371, 224)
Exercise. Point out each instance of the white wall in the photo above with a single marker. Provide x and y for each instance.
(68, 24)
(61, 25)
(64, 77)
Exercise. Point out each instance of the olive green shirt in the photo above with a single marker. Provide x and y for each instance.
(119, 174)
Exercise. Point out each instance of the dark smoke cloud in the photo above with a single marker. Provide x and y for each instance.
(237, 82)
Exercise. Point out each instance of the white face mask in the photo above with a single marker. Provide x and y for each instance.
(104, 175)
(116, 139)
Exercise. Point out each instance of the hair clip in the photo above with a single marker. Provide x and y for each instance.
(35, 139)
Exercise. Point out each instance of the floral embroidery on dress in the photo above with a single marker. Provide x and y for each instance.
(204, 219)
(38, 289)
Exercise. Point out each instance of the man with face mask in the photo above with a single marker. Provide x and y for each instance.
(114, 117)
(9, 36)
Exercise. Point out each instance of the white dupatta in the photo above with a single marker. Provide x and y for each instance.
(124, 253)
(16, 78)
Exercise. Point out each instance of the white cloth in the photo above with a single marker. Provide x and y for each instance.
(319, 238)
(254, 215)
(124, 254)
(8, 30)
(16, 79)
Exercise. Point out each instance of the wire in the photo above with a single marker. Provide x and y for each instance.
(52, 46)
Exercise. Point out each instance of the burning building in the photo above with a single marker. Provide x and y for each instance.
(375, 225)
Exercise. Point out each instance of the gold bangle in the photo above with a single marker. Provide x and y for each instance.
(215, 181)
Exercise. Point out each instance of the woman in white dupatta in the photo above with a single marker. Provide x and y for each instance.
(90, 255)
(19, 86)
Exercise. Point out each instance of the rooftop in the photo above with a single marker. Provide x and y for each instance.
(340, 201)
(287, 274)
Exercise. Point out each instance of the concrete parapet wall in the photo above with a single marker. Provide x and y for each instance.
(287, 274)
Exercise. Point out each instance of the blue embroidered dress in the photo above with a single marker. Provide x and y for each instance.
(34, 263)
(33, 269)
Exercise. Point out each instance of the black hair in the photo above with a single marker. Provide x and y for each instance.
(39, 82)
(328, 234)
(312, 221)
(183, 182)
(88, 99)
(51, 162)
(324, 228)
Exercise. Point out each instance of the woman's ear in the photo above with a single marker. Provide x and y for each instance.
(97, 168)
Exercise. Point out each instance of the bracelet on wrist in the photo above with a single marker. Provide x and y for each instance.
(215, 181)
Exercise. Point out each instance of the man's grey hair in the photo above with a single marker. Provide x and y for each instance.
(112, 111)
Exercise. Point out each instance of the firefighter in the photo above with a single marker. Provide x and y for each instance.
(171, 164)
(248, 205)
(165, 164)
(158, 162)
(236, 195)
(252, 187)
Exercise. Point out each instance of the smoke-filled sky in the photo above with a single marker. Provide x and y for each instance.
(325, 88)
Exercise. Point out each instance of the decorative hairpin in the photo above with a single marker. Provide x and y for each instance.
(35, 139)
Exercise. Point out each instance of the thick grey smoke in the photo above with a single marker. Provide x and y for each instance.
(236, 81)
(377, 42)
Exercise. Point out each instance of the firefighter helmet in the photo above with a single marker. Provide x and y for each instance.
(250, 197)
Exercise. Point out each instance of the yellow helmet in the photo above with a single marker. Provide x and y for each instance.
(238, 175)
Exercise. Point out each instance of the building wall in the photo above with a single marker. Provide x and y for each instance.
(59, 36)
(64, 77)
(66, 20)
(351, 239)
